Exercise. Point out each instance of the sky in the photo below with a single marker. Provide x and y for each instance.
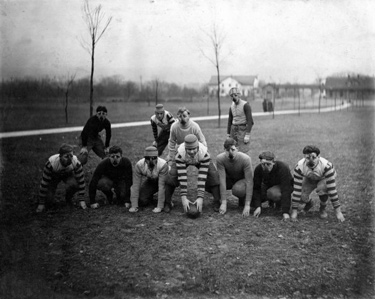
(279, 41)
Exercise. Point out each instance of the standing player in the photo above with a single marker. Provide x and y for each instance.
(240, 121)
(162, 119)
(90, 137)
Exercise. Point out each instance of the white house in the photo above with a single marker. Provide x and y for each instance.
(246, 84)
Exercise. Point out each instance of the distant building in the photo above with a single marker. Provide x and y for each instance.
(248, 85)
(349, 87)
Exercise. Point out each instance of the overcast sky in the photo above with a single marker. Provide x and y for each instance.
(281, 41)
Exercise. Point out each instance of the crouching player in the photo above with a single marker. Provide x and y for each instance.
(236, 173)
(64, 167)
(194, 153)
(114, 172)
(315, 172)
(149, 177)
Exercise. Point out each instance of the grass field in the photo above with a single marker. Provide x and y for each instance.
(110, 253)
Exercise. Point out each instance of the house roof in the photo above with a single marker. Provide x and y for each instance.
(244, 80)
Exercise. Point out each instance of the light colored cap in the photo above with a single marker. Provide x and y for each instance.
(191, 141)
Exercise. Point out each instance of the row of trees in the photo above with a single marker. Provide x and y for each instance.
(107, 88)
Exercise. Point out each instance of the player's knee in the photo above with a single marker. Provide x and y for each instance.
(239, 189)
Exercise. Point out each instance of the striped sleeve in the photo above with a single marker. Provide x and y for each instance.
(297, 187)
(154, 129)
(329, 174)
(78, 173)
(170, 119)
(46, 181)
(202, 175)
(181, 174)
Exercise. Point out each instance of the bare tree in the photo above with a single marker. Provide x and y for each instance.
(216, 41)
(96, 26)
(68, 83)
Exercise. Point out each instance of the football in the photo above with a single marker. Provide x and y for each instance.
(239, 189)
(193, 211)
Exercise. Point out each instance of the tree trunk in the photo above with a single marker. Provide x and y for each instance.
(218, 94)
(92, 79)
(66, 105)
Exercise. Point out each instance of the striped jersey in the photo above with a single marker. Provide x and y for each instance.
(201, 160)
(164, 124)
(142, 171)
(55, 171)
(323, 170)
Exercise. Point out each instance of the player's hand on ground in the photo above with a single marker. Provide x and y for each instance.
(40, 208)
(223, 208)
(185, 203)
(199, 203)
(246, 211)
(339, 215)
(293, 217)
(157, 210)
(94, 206)
(286, 217)
(257, 212)
(83, 205)
(133, 210)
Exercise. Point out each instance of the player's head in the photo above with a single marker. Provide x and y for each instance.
(183, 115)
(311, 154)
(115, 154)
(267, 160)
(101, 112)
(159, 111)
(235, 94)
(151, 156)
(230, 147)
(191, 145)
(66, 154)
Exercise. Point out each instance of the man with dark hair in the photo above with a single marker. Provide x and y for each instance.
(65, 167)
(162, 119)
(90, 137)
(236, 174)
(313, 172)
(194, 153)
(240, 121)
(180, 129)
(273, 183)
(115, 172)
(149, 178)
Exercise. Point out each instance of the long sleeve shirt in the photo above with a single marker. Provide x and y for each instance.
(122, 172)
(240, 114)
(141, 171)
(92, 129)
(201, 160)
(237, 169)
(323, 170)
(165, 124)
(54, 170)
(279, 175)
(178, 134)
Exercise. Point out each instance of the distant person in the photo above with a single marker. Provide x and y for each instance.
(114, 172)
(150, 174)
(180, 129)
(236, 174)
(240, 121)
(273, 182)
(164, 120)
(194, 153)
(90, 137)
(62, 167)
(313, 172)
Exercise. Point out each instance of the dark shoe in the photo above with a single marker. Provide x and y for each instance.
(217, 206)
(308, 206)
(167, 207)
(241, 202)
